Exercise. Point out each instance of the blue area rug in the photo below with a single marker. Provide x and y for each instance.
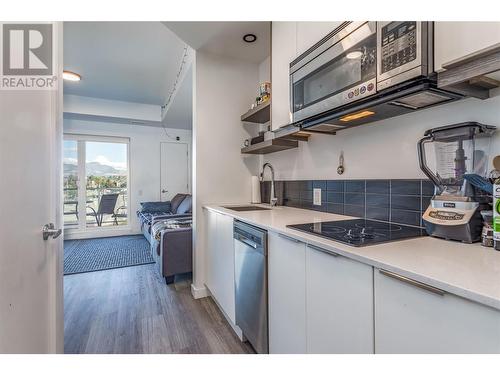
(99, 254)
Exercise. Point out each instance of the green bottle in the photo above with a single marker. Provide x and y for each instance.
(496, 214)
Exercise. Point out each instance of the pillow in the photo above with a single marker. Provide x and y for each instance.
(176, 201)
(155, 207)
(185, 206)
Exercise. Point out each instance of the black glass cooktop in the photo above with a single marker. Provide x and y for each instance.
(360, 232)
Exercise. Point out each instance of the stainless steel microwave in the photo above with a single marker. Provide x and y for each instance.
(358, 60)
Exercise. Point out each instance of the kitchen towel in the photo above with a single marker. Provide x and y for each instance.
(256, 189)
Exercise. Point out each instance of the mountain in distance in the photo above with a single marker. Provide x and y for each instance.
(94, 168)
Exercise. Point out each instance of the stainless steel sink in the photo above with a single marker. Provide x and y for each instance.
(246, 208)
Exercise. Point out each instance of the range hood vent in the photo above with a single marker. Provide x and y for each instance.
(421, 100)
(402, 99)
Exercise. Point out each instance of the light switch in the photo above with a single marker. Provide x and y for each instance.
(317, 197)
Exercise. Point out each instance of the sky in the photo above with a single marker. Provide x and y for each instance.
(112, 154)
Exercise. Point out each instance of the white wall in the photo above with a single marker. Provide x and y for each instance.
(144, 154)
(383, 149)
(224, 88)
(265, 70)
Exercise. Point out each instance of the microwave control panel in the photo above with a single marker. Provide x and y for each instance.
(399, 44)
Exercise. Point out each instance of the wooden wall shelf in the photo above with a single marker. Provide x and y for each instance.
(272, 145)
(258, 115)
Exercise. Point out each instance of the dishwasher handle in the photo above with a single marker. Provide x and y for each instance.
(246, 241)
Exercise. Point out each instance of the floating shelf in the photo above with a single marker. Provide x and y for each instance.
(292, 133)
(272, 145)
(258, 115)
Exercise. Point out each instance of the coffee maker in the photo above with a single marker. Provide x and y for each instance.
(459, 149)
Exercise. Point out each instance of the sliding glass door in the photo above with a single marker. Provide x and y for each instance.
(96, 175)
(70, 184)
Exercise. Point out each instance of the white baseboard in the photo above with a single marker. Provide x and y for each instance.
(99, 233)
(199, 292)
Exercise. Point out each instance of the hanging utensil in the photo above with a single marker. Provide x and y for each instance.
(340, 168)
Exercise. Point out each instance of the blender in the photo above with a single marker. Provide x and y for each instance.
(459, 149)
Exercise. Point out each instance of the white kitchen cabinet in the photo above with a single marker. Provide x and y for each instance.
(220, 262)
(284, 50)
(339, 304)
(412, 319)
(310, 33)
(287, 295)
(211, 233)
(455, 40)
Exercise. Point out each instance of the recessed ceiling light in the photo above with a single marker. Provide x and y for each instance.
(354, 55)
(249, 38)
(71, 76)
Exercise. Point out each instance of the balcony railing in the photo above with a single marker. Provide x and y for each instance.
(93, 197)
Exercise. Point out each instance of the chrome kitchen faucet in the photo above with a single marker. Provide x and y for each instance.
(273, 200)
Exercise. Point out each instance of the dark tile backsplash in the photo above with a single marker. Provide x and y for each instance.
(405, 202)
(354, 186)
(378, 186)
(396, 201)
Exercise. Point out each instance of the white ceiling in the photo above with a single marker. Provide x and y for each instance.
(226, 38)
(128, 61)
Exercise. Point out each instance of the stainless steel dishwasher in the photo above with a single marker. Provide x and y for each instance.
(250, 269)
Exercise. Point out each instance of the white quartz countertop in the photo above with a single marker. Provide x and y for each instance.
(467, 270)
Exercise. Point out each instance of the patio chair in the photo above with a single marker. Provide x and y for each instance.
(121, 212)
(107, 205)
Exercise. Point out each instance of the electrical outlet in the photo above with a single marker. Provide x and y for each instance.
(317, 197)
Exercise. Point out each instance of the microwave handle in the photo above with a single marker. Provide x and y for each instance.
(423, 165)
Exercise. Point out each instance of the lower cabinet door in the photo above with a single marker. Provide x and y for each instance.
(220, 261)
(410, 317)
(211, 263)
(287, 298)
(339, 304)
(224, 266)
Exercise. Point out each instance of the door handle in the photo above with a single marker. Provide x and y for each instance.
(416, 283)
(164, 191)
(289, 238)
(49, 230)
(323, 250)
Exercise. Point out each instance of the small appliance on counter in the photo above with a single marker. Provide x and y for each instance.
(459, 149)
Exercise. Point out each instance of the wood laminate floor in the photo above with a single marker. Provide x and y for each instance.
(132, 310)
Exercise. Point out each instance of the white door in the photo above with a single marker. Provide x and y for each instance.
(174, 169)
(31, 294)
